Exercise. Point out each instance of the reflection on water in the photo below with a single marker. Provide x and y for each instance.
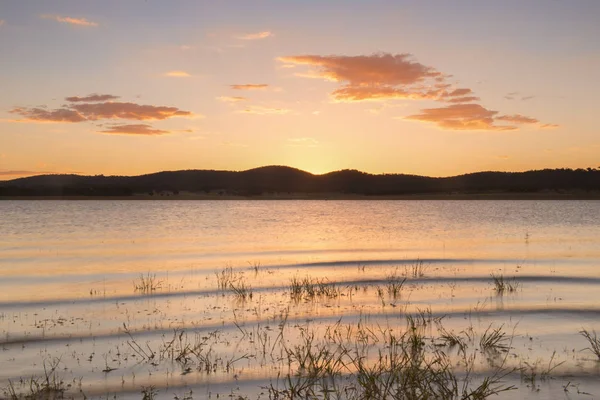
(68, 271)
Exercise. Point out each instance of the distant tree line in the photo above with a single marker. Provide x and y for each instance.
(276, 179)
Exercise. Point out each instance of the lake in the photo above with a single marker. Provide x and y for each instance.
(194, 299)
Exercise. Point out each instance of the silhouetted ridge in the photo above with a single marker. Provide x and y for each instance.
(281, 179)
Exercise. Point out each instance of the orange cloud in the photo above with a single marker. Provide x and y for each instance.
(177, 74)
(360, 93)
(71, 20)
(379, 77)
(256, 36)
(259, 110)
(232, 99)
(250, 86)
(119, 110)
(375, 70)
(549, 126)
(1, 22)
(517, 119)
(134, 129)
(91, 98)
(42, 115)
(80, 112)
(461, 117)
(467, 99)
(385, 76)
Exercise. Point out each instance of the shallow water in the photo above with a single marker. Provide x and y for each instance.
(68, 271)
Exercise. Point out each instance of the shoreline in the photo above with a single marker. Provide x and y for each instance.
(331, 196)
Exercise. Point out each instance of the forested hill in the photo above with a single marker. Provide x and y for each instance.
(278, 179)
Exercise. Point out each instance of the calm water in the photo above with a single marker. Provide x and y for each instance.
(67, 272)
(56, 243)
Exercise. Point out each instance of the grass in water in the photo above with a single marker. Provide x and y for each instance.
(593, 340)
(407, 366)
(241, 289)
(494, 340)
(502, 285)
(310, 289)
(147, 283)
(224, 278)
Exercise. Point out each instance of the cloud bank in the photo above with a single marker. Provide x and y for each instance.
(385, 76)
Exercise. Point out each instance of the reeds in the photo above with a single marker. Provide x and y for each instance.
(406, 366)
(502, 285)
(310, 289)
(147, 284)
(494, 340)
(593, 340)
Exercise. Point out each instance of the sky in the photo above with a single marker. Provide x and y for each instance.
(437, 88)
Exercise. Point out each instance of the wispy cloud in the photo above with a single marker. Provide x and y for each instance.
(94, 111)
(517, 96)
(43, 115)
(119, 110)
(260, 110)
(250, 86)
(381, 76)
(178, 74)
(2, 22)
(256, 36)
(134, 129)
(517, 119)
(71, 20)
(461, 117)
(91, 98)
(549, 126)
(232, 99)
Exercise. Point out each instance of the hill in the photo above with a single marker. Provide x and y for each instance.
(280, 179)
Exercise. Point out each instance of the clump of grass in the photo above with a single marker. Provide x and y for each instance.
(417, 269)
(394, 284)
(451, 339)
(50, 386)
(530, 373)
(502, 285)
(406, 367)
(593, 340)
(224, 278)
(494, 340)
(147, 283)
(241, 289)
(309, 289)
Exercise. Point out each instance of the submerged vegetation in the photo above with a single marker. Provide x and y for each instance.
(593, 340)
(502, 285)
(411, 352)
(147, 284)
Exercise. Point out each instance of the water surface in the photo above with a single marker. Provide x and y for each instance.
(68, 271)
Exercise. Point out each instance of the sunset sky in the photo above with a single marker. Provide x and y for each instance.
(433, 88)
